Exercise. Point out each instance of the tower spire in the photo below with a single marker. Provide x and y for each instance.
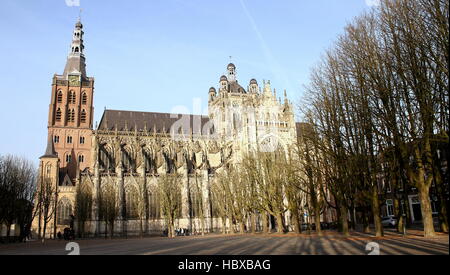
(50, 150)
(76, 62)
(79, 15)
(231, 68)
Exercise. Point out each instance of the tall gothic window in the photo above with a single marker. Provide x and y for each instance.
(80, 158)
(84, 98)
(128, 162)
(59, 97)
(72, 97)
(83, 116)
(64, 212)
(58, 114)
(149, 163)
(131, 202)
(106, 159)
(195, 201)
(71, 115)
(154, 205)
(48, 171)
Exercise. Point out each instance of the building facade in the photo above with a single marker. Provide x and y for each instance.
(129, 151)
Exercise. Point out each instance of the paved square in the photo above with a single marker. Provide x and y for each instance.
(331, 243)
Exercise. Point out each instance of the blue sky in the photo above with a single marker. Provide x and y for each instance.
(154, 55)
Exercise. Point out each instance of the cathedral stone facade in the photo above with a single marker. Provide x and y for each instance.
(129, 150)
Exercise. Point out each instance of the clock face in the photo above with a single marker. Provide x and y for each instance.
(74, 80)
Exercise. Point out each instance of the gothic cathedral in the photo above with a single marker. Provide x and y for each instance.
(129, 151)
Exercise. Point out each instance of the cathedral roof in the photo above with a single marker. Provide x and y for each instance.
(161, 122)
(236, 88)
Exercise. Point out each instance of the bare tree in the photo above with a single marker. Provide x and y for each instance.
(108, 208)
(170, 198)
(83, 207)
(220, 198)
(17, 193)
(48, 199)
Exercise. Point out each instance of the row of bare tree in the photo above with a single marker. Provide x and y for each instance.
(110, 209)
(266, 185)
(377, 114)
(379, 106)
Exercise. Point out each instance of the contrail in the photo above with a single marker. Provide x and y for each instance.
(275, 67)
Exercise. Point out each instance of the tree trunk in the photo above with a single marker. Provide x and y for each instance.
(203, 225)
(344, 221)
(253, 221)
(265, 223)
(443, 215)
(366, 225)
(40, 224)
(297, 224)
(172, 230)
(399, 215)
(280, 223)
(82, 228)
(111, 232)
(376, 212)
(353, 218)
(43, 231)
(427, 214)
(232, 227)
(8, 230)
(317, 220)
(224, 225)
(242, 227)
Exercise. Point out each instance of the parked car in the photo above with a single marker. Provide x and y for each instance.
(388, 222)
(333, 225)
(324, 225)
(304, 226)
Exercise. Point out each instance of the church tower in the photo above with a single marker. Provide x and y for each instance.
(71, 111)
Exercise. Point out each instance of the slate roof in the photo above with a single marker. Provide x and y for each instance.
(50, 150)
(236, 88)
(161, 122)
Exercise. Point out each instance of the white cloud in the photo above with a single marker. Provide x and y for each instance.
(73, 3)
(372, 3)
